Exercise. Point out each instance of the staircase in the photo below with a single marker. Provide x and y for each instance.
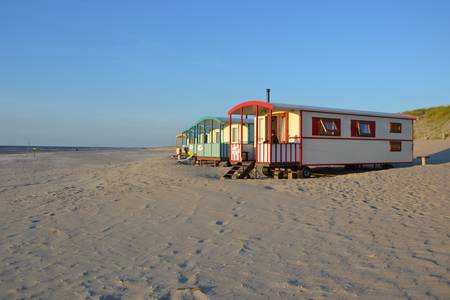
(240, 171)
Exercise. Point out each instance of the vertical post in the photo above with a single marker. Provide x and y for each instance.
(230, 124)
(204, 131)
(412, 141)
(257, 133)
(270, 137)
(220, 139)
(196, 134)
(301, 137)
(241, 136)
(211, 138)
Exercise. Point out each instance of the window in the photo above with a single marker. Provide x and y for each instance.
(396, 128)
(363, 128)
(251, 133)
(329, 127)
(261, 129)
(395, 146)
(217, 137)
(283, 128)
(234, 135)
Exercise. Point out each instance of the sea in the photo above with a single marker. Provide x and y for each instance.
(29, 149)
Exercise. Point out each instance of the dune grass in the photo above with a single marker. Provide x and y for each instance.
(432, 122)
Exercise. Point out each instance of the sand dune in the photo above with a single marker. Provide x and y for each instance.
(136, 225)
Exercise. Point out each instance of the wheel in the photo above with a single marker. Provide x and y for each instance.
(305, 172)
(267, 171)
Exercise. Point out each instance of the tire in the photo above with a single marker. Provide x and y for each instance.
(267, 171)
(305, 172)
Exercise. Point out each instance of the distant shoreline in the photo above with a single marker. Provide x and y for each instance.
(40, 149)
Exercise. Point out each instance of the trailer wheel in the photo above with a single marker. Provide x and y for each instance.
(305, 172)
(267, 171)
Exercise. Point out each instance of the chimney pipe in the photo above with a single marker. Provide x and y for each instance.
(268, 95)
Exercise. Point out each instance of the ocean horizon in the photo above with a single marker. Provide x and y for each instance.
(29, 149)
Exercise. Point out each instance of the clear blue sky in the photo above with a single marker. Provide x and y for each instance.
(131, 73)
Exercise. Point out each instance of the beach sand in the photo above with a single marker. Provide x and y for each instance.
(136, 225)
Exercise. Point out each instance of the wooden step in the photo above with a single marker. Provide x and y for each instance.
(246, 170)
(240, 171)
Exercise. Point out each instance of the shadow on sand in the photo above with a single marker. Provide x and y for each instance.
(437, 158)
(336, 171)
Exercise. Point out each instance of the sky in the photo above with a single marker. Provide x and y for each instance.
(133, 73)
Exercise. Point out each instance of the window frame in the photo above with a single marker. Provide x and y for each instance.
(356, 128)
(216, 135)
(235, 137)
(397, 148)
(391, 127)
(318, 125)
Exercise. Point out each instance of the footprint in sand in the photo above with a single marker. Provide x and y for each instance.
(182, 278)
(110, 297)
(189, 293)
(34, 222)
(223, 228)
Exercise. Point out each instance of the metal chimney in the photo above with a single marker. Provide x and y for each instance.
(268, 95)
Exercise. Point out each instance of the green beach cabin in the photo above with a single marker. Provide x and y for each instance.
(208, 138)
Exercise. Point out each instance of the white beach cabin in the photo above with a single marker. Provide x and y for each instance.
(297, 137)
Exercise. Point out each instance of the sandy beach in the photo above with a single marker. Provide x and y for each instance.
(115, 225)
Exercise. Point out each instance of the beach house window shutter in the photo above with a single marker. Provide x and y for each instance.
(315, 126)
(338, 127)
(354, 127)
(372, 127)
(396, 127)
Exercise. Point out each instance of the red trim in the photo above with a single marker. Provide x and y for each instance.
(412, 137)
(355, 126)
(362, 115)
(316, 126)
(250, 103)
(270, 137)
(241, 136)
(257, 134)
(270, 107)
(354, 138)
(229, 133)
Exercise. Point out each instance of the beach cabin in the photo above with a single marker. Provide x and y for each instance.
(208, 138)
(296, 137)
